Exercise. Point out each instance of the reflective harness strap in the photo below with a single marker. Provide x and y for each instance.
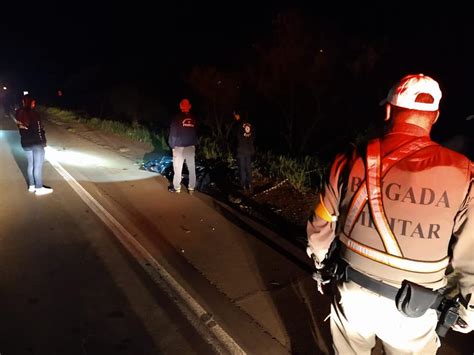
(374, 192)
(360, 197)
(371, 191)
(392, 260)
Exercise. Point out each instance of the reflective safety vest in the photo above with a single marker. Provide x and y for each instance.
(371, 192)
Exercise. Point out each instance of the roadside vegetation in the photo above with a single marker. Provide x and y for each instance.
(308, 91)
(301, 173)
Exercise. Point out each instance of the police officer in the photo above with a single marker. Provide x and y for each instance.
(401, 210)
(182, 140)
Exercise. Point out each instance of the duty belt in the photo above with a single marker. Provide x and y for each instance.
(378, 287)
(371, 284)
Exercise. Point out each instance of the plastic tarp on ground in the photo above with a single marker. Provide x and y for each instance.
(164, 167)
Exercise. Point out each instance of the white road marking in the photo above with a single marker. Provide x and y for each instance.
(192, 310)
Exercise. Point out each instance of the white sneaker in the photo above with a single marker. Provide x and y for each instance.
(31, 188)
(43, 191)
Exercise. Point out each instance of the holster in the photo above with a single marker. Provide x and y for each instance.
(414, 300)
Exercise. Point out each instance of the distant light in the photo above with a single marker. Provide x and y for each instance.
(60, 93)
(4, 88)
(25, 93)
(321, 51)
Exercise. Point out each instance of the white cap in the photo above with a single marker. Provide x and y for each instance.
(405, 92)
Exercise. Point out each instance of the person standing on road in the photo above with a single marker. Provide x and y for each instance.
(33, 141)
(182, 140)
(400, 212)
(245, 150)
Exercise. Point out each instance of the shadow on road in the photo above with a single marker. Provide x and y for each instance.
(300, 308)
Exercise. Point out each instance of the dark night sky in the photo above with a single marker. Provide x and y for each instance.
(45, 44)
(62, 39)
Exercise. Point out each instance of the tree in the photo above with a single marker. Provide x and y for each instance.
(292, 74)
(220, 92)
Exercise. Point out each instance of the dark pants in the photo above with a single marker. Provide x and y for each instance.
(245, 170)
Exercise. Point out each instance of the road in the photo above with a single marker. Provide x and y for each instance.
(66, 285)
(111, 263)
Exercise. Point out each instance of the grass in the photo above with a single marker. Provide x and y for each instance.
(132, 131)
(209, 149)
(301, 173)
(62, 115)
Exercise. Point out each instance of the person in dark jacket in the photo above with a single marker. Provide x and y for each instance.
(33, 141)
(245, 151)
(182, 140)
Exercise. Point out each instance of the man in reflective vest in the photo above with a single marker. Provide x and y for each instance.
(402, 209)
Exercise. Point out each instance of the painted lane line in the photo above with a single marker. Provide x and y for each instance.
(191, 309)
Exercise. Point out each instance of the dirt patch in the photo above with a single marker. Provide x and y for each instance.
(292, 205)
(275, 204)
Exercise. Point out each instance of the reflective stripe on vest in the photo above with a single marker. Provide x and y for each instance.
(371, 191)
(392, 260)
(360, 197)
(322, 211)
(374, 192)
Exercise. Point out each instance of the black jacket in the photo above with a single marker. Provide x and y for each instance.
(245, 139)
(183, 131)
(35, 134)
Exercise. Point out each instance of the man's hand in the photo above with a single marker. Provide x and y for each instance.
(319, 265)
(20, 125)
(465, 323)
(320, 281)
(317, 257)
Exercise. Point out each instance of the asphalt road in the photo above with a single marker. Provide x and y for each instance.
(67, 286)
(112, 263)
